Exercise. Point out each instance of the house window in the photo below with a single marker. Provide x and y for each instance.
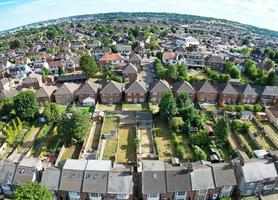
(95, 195)
(122, 196)
(152, 195)
(180, 193)
(74, 195)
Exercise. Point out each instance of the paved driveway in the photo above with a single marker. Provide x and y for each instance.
(146, 74)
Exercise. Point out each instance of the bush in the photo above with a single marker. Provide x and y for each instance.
(200, 154)
(180, 152)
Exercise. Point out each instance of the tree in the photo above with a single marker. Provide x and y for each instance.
(33, 191)
(182, 70)
(250, 69)
(153, 43)
(88, 65)
(14, 44)
(176, 124)
(200, 154)
(232, 69)
(172, 72)
(160, 69)
(272, 79)
(222, 129)
(167, 106)
(7, 104)
(25, 105)
(200, 138)
(74, 125)
(245, 52)
(51, 112)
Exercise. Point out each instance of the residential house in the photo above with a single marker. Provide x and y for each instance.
(186, 41)
(120, 183)
(139, 50)
(194, 60)
(205, 92)
(256, 176)
(113, 59)
(55, 65)
(8, 93)
(268, 95)
(136, 92)
(178, 182)
(124, 50)
(6, 84)
(45, 94)
(72, 64)
(153, 180)
(215, 62)
(130, 73)
(224, 178)
(27, 170)
(96, 178)
(51, 179)
(184, 87)
(158, 89)
(7, 171)
(40, 65)
(99, 52)
(77, 45)
(169, 58)
(272, 114)
(66, 93)
(111, 92)
(202, 182)
(227, 94)
(93, 44)
(136, 60)
(19, 71)
(71, 179)
(88, 90)
(33, 81)
(247, 94)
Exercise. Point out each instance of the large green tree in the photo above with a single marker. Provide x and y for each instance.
(88, 65)
(74, 125)
(51, 112)
(272, 79)
(32, 191)
(25, 105)
(222, 129)
(167, 106)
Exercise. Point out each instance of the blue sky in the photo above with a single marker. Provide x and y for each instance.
(261, 13)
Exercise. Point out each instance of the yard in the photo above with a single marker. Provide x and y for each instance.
(61, 108)
(111, 123)
(146, 143)
(110, 149)
(165, 147)
(88, 109)
(271, 131)
(96, 137)
(109, 107)
(126, 147)
(136, 107)
(197, 74)
(183, 139)
(71, 152)
(153, 108)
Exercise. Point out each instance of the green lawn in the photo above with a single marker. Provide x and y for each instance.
(134, 106)
(111, 123)
(88, 109)
(110, 149)
(153, 108)
(106, 107)
(61, 108)
(126, 150)
(72, 152)
(183, 139)
(163, 140)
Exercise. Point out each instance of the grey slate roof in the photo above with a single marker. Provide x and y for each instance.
(178, 179)
(130, 69)
(112, 87)
(160, 86)
(153, 176)
(96, 176)
(259, 169)
(8, 93)
(51, 178)
(88, 88)
(67, 89)
(7, 171)
(183, 86)
(246, 90)
(204, 86)
(72, 175)
(227, 88)
(137, 87)
(267, 90)
(201, 178)
(224, 174)
(135, 57)
(120, 182)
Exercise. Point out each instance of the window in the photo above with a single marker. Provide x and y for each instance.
(152, 195)
(95, 195)
(122, 196)
(180, 193)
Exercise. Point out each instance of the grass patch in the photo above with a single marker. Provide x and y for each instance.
(72, 152)
(110, 149)
(87, 109)
(61, 108)
(163, 140)
(153, 108)
(110, 124)
(183, 139)
(109, 107)
(126, 150)
(136, 107)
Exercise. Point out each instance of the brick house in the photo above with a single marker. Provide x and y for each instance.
(184, 86)
(158, 89)
(136, 92)
(247, 94)
(72, 64)
(205, 92)
(169, 58)
(215, 62)
(256, 176)
(136, 60)
(227, 94)
(130, 73)
(111, 92)
(268, 95)
(153, 180)
(66, 93)
(45, 93)
(88, 89)
(113, 59)
(139, 50)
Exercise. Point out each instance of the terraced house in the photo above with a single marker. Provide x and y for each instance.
(205, 92)
(111, 92)
(136, 92)
(158, 89)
